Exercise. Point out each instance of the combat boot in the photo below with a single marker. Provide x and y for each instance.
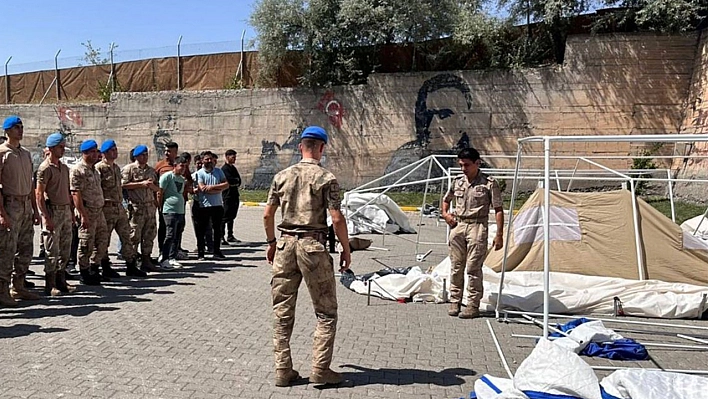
(454, 309)
(325, 376)
(61, 283)
(50, 284)
(469, 313)
(96, 270)
(29, 284)
(108, 271)
(5, 298)
(147, 266)
(18, 290)
(131, 270)
(284, 377)
(89, 278)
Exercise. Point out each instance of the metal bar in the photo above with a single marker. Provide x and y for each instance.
(645, 343)
(671, 195)
(546, 234)
(705, 214)
(575, 169)
(637, 239)
(179, 62)
(241, 64)
(499, 351)
(388, 175)
(624, 321)
(555, 330)
(112, 76)
(703, 341)
(603, 167)
(558, 183)
(425, 196)
(47, 92)
(7, 82)
(611, 368)
(56, 75)
(646, 138)
(514, 189)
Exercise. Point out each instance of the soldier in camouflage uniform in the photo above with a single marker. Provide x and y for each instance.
(474, 192)
(85, 183)
(116, 216)
(139, 180)
(54, 203)
(305, 190)
(18, 214)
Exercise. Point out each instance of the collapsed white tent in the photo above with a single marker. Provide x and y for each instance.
(374, 213)
(551, 371)
(572, 294)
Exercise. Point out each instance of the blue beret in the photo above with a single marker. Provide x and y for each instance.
(11, 121)
(88, 145)
(314, 132)
(141, 149)
(54, 139)
(107, 145)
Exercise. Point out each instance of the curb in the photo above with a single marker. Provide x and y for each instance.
(253, 203)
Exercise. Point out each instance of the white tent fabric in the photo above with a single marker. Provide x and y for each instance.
(552, 370)
(570, 293)
(382, 214)
(691, 224)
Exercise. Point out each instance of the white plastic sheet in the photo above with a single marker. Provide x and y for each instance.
(382, 214)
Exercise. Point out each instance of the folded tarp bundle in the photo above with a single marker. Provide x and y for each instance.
(610, 346)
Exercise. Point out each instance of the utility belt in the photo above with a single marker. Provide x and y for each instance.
(319, 236)
(15, 198)
(53, 206)
(112, 203)
(473, 219)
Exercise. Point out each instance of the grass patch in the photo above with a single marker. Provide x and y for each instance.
(684, 210)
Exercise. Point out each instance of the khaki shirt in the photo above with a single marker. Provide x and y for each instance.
(305, 191)
(85, 179)
(15, 170)
(55, 178)
(473, 199)
(133, 173)
(110, 181)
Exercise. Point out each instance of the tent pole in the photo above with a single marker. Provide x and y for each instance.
(514, 189)
(546, 233)
(499, 350)
(425, 196)
(671, 195)
(606, 320)
(610, 368)
(637, 239)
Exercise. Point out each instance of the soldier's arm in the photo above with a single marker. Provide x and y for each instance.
(449, 217)
(127, 180)
(3, 214)
(79, 205)
(41, 204)
(339, 222)
(498, 206)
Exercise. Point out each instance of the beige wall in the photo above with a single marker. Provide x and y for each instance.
(619, 84)
(696, 122)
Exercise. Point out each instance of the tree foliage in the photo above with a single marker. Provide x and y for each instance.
(93, 55)
(340, 41)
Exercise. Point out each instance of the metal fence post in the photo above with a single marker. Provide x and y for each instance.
(241, 63)
(56, 75)
(7, 83)
(179, 61)
(113, 71)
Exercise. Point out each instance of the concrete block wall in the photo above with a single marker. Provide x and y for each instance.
(696, 122)
(618, 84)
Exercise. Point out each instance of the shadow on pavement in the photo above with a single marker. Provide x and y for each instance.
(389, 376)
(22, 330)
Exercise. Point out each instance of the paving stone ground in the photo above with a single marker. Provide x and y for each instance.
(205, 332)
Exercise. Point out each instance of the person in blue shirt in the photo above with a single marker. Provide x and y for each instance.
(211, 182)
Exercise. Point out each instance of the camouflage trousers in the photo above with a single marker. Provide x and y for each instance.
(93, 238)
(17, 243)
(117, 219)
(468, 247)
(296, 259)
(57, 243)
(143, 227)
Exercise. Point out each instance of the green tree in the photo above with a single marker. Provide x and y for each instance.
(93, 55)
(668, 16)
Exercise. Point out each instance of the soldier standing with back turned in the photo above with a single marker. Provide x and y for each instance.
(306, 191)
(18, 214)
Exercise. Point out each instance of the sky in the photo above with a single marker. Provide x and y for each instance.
(33, 30)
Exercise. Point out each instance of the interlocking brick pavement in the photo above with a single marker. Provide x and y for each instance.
(205, 332)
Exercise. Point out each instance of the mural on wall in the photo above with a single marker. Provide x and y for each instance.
(163, 135)
(426, 117)
(271, 155)
(331, 106)
(69, 120)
